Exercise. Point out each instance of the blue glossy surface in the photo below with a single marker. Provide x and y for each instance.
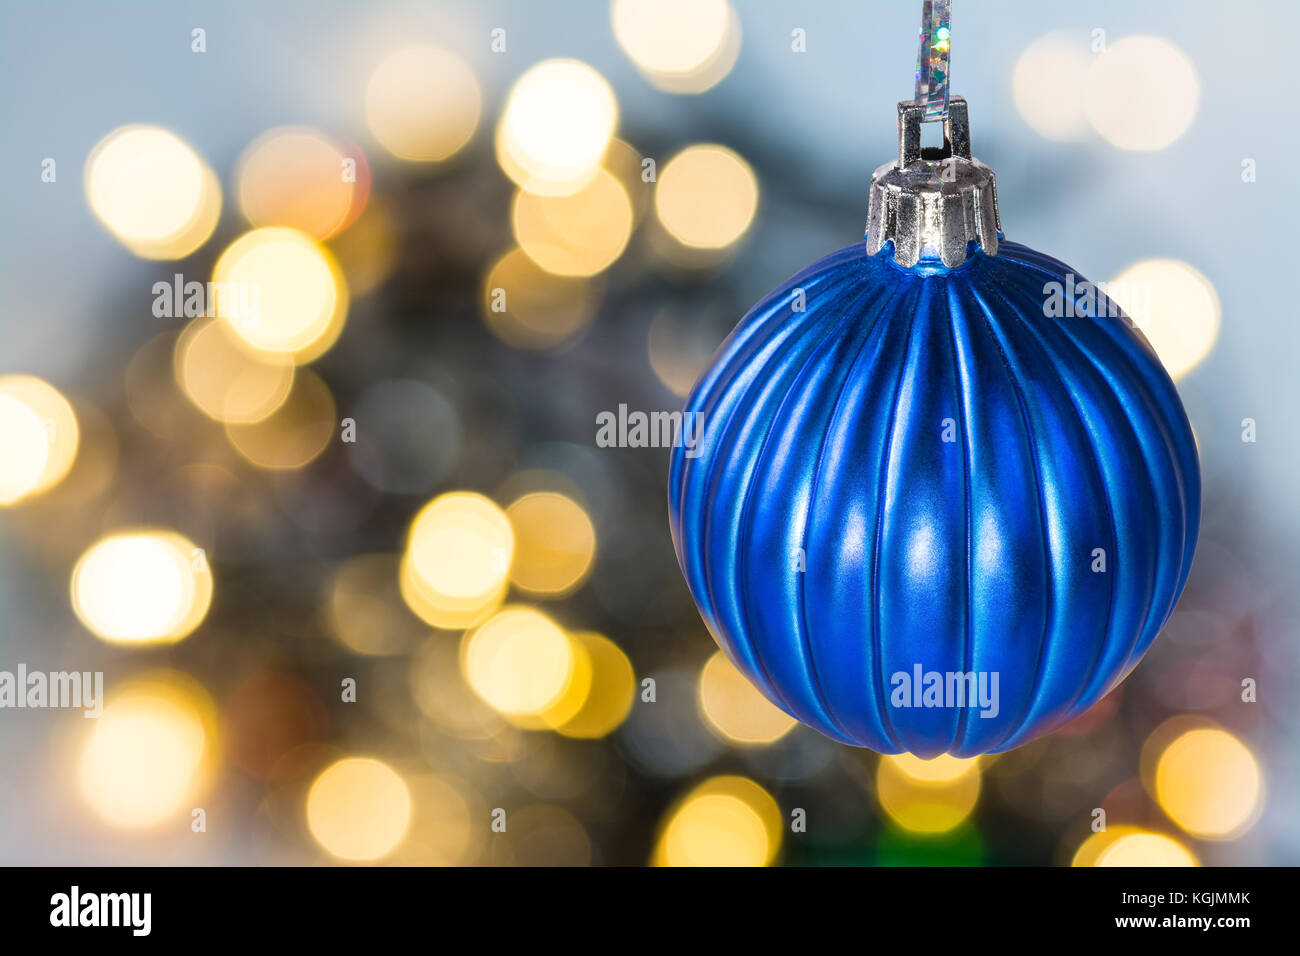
(823, 437)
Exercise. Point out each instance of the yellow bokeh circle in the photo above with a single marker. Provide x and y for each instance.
(226, 382)
(39, 434)
(725, 821)
(1142, 93)
(681, 46)
(142, 587)
(580, 234)
(925, 797)
(558, 121)
(1174, 306)
(707, 197)
(423, 103)
(1146, 849)
(555, 543)
(527, 307)
(281, 293)
(151, 190)
(359, 809)
(1209, 783)
(150, 752)
(456, 566)
(523, 664)
(735, 710)
(295, 176)
(612, 689)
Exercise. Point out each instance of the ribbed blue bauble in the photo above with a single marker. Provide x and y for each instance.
(945, 495)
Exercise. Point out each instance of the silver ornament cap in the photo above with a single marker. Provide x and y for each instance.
(933, 202)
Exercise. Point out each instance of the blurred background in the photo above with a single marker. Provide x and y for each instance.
(360, 578)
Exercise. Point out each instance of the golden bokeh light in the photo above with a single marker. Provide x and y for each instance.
(149, 752)
(1142, 93)
(577, 689)
(725, 821)
(1174, 306)
(681, 46)
(555, 543)
(359, 809)
(295, 433)
(612, 689)
(1091, 849)
(927, 796)
(365, 610)
(226, 381)
(296, 177)
(527, 307)
(1209, 783)
(558, 121)
(1048, 86)
(151, 190)
(1146, 849)
(579, 234)
(522, 664)
(423, 104)
(707, 197)
(39, 435)
(142, 587)
(944, 768)
(455, 570)
(440, 609)
(735, 710)
(281, 293)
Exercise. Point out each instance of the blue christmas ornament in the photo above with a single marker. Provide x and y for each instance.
(945, 495)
